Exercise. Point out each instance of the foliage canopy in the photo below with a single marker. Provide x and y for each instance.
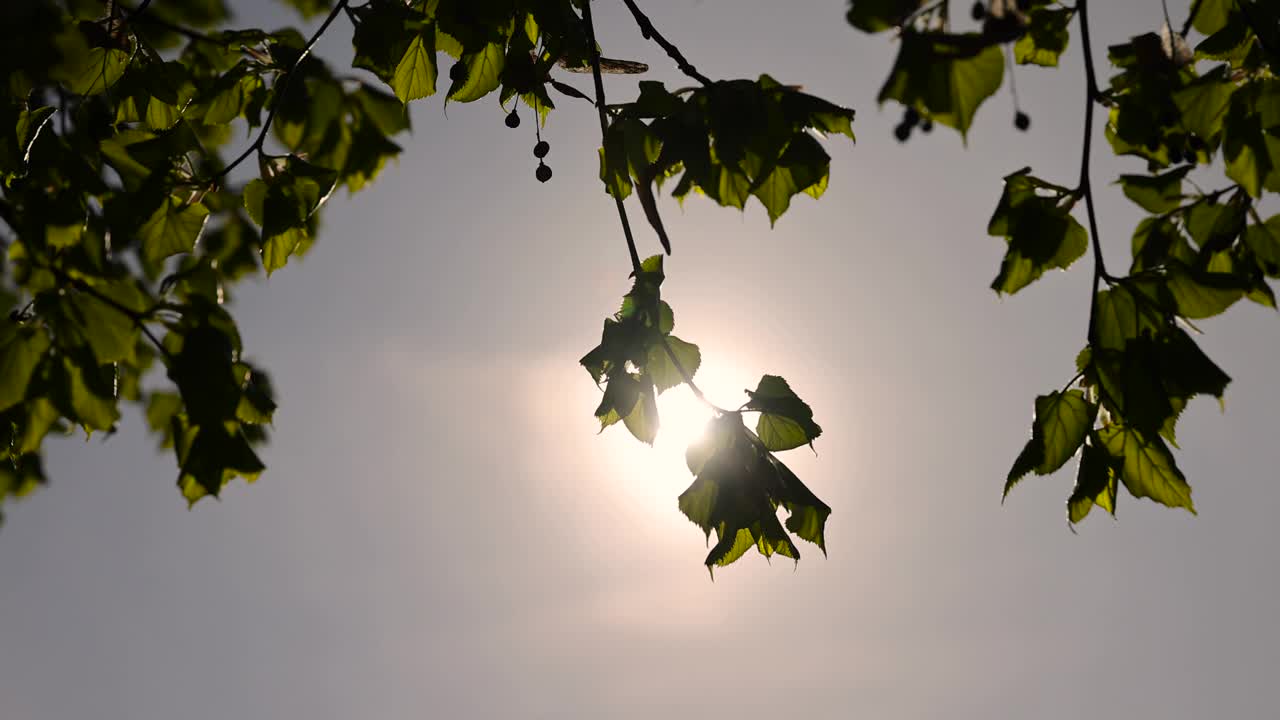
(129, 214)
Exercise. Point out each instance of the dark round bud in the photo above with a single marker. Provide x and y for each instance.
(513, 120)
(15, 317)
(541, 149)
(1021, 120)
(1197, 144)
(911, 117)
(926, 126)
(543, 173)
(902, 132)
(458, 72)
(978, 11)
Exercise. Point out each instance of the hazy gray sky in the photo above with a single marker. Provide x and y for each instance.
(442, 534)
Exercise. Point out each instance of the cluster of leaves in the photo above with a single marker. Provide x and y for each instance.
(126, 225)
(1180, 109)
(728, 140)
(739, 484)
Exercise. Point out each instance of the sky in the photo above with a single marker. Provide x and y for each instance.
(442, 533)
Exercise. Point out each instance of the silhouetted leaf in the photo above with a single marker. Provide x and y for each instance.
(785, 421)
(944, 77)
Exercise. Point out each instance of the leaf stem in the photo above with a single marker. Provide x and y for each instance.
(138, 15)
(604, 132)
(139, 318)
(283, 85)
(1086, 187)
(622, 210)
(651, 33)
(1191, 17)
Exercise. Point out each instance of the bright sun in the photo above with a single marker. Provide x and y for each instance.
(683, 420)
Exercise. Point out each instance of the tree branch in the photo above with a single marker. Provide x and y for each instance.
(284, 83)
(651, 33)
(1086, 187)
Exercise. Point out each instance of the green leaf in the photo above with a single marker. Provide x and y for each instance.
(230, 95)
(877, 15)
(90, 394)
(284, 203)
(20, 351)
(483, 73)
(173, 228)
(415, 75)
(738, 488)
(210, 457)
(86, 70)
(945, 77)
(1201, 294)
(387, 112)
(1096, 484)
(1211, 15)
(1250, 149)
(664, 372)
(382, 37)
(1040, 232)
(1264, 241)
(1155, 193)
(1202, 104)
(1062, 421)
(1156, 242)
(1045, 39)
(785, 421)
(111, 334)
(1147, 467)
(642, 421)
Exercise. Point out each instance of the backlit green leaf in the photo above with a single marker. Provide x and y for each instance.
(173, 228)
(1148, 468)
(415, 75)
(785, 421)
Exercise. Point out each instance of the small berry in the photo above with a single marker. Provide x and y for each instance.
(926, 126)
(513, 120)
(1021, 120)
(902, 132)
(458, 72)
(978, 11)
(911, 117)
(541, 149)
(543, 173)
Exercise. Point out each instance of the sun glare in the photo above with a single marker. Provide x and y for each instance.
(684, 419)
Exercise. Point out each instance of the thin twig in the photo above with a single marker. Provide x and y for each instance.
(604, 131)
(651, 33)
(1086, 187)
(284, 83)
(151, 19)
(132, 14)
(139, 318)
(1191, 17)
(622, 210)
